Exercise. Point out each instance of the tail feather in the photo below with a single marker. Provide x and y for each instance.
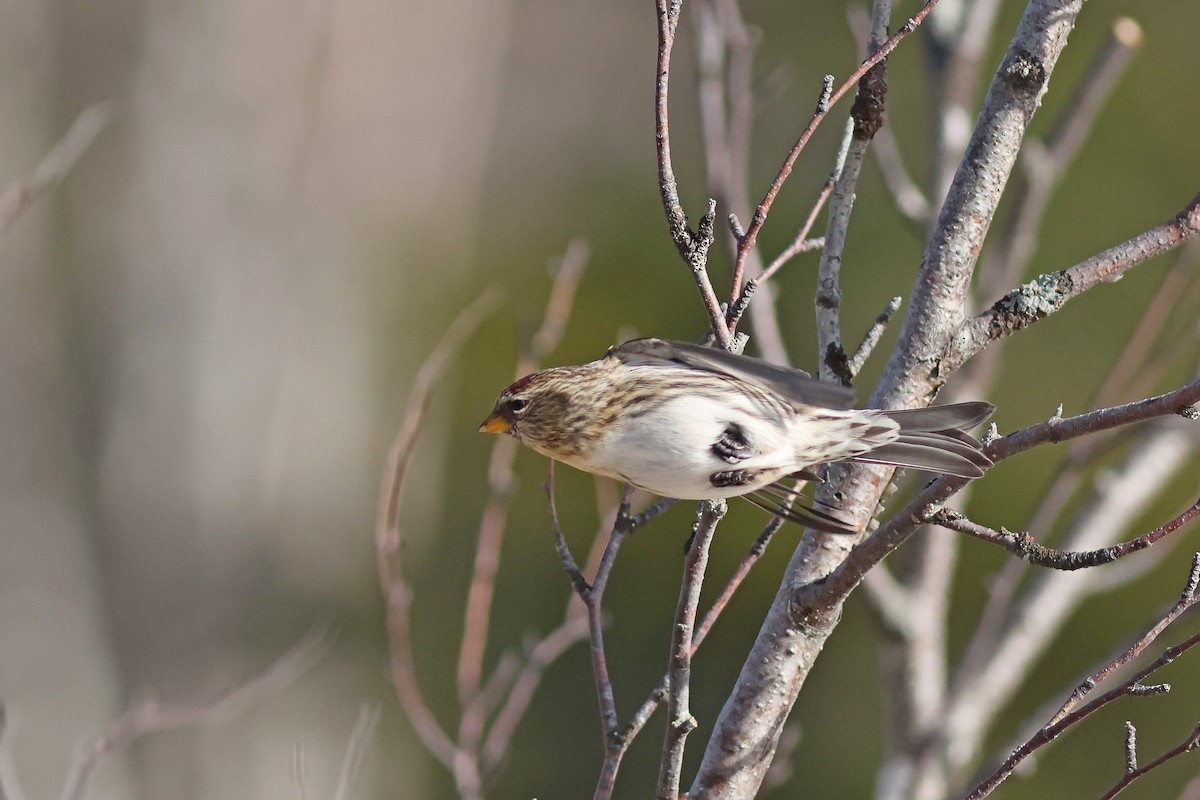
(938, 419)
(936, 439)
(933, 439)
(782, 501)
(934, 457)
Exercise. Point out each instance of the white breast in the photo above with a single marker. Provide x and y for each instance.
(668, 450)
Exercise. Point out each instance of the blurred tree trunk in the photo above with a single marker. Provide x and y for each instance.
(189, 395)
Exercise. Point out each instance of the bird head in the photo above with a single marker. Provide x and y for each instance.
(543, 411)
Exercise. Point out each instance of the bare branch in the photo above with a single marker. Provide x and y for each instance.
(1192, 742)
(368, 720)
(870, 552)
(1022, 544)
(1072, 712)
(397, 596)
(801, 244)
(826, 102)
(55, 165)
(692, 245)
(495, 515)
(680, 721)
(1046, 294)
(148, 715)
(659, 692)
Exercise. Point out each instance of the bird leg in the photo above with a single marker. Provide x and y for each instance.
(733, 477)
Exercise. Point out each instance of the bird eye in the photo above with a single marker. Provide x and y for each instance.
(517, 405)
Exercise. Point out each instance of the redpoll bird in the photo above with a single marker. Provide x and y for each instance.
(691, 422)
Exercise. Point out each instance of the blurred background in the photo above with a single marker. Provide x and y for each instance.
(210, 328)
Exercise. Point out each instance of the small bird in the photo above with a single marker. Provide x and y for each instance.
(697, 423)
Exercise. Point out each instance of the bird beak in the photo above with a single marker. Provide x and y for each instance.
(494, 424)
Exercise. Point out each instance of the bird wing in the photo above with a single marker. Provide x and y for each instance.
(780, 499)
(793, 385)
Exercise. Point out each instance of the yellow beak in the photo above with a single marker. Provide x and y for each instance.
(494, 424)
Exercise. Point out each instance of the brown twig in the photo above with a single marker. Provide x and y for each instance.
(149, 715)
(659, 693)
(397, 596)
(491, 529)
(55, 165)
(1024, 545)
(692, 245)
(1073, 710)
(463, 755)
(680, 721)
(828, 99)
(592, 596)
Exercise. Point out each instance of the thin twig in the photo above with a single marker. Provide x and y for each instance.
(1192, 742)
(1072, 712)
(592, 595)
(659, 693)
(396, 593)
(1022, 544)
(148, 715)
(872, 337)
(55, 165)
(680, 721)
(368, 720)
(800, 244)
(477, 616)
(764, 206)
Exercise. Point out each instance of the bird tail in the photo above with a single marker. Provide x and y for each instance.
(936, 439)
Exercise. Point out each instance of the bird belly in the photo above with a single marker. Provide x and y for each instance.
(668, 450)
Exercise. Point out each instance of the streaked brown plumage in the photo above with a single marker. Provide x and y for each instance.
(692, 422)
